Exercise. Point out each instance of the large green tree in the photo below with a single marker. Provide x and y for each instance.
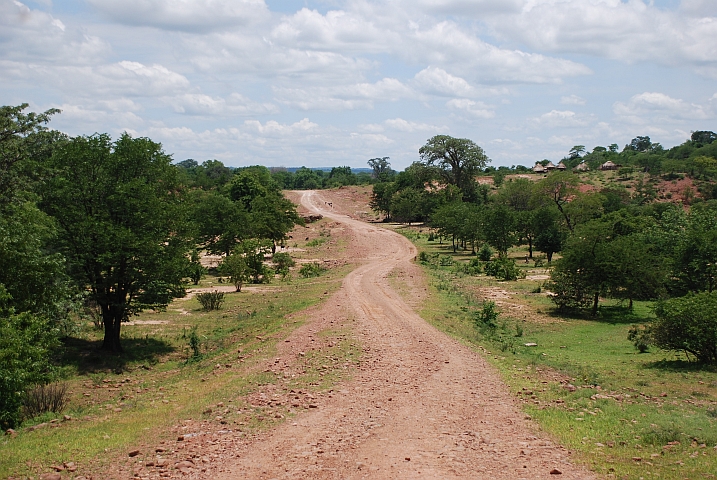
(458, 160)
(220, 222)
(34, 293)
(24, 141)
(121, 224)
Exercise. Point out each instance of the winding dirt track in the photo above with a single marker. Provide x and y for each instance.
(421, 405)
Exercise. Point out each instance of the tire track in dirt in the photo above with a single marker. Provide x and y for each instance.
(421, 405)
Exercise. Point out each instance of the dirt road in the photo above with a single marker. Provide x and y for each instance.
(421, 405)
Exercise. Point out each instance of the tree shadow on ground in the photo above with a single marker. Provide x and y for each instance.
(612, 314)
(678, 365)
(87, 357)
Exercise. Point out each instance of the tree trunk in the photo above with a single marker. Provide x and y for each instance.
(530, 247)
(595, 304)
(550, 256)
(112, 318)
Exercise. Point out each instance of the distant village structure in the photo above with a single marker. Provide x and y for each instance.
(609, 166)
(583, 167)
(548, 167)
(542, 167)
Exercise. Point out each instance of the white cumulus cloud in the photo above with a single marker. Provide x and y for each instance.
(185, 15)
(655, 104)
(477, 109)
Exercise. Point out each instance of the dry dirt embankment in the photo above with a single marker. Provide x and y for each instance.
(421, 405)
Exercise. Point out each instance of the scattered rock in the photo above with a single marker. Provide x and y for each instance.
(570, 387)
(555, 471)
(66, 418)
(133, 453)
(10, 432)
(531, 344)
(37, 427)
(50, 476)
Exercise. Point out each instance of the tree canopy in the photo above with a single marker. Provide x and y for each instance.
(121, 224)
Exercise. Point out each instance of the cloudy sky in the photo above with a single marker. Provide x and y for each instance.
(336, 82)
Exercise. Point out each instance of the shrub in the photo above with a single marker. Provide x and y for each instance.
(45, 398)
(282, 263)
(504, 268)
(474, 267)
(639, 335)
(316, 242)
(309, 270)
(568, 292)
(26, 341)
(211, 300)
(195, 343)
(423, 257)
(688, 324)
(445, 260)
(485, 253)
(487, 316)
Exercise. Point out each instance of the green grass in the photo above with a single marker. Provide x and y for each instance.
(629, 415)
(157, 384)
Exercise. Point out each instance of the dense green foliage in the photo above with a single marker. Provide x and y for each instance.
(113, 224)
(614, 241)
(687, 324)
(121, 224)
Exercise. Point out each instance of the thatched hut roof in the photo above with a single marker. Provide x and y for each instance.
(583, 167)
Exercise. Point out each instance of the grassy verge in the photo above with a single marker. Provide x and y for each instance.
(141, 397)
(624, 414)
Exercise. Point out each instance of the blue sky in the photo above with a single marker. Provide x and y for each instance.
(331, 82)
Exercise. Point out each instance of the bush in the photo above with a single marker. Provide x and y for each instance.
(474, 267)
(195, 343)
(282, 263)
(639, 335)
(309, 270)
(423, 257)
(445, 260)
(26, 343)
(687, 324)
(316, 242)
(45, 398)
(568, 292)
(504, 268)
(487, 316)
(211, 300)
(485, 253)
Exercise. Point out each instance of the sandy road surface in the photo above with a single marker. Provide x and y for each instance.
(420, 406)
